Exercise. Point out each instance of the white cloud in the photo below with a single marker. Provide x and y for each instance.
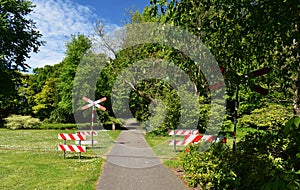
(57, 20)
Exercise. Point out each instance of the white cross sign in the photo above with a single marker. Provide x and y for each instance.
(93, 103)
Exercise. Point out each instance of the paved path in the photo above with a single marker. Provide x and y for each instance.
(132, 165)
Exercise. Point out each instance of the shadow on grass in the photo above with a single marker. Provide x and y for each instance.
(95, 147)
(82, 157)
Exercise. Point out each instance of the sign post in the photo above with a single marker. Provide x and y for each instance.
(93, 104)
(244, 80)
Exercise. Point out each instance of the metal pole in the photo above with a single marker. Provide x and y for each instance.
(92, 127)
(235, 117)
(79, 153)
(65, 142)
(174, 138)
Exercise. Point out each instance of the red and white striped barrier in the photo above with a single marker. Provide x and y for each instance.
(193, 136)
(197, 139)
(71, 148)
(74, 137)
(183, 132)
(88, 133)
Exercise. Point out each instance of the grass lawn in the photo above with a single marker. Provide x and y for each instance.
(29, 159)
(166, 153)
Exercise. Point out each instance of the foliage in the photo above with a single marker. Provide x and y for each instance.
(9, 97)
(269, 118)
(22, 122)
(76, 49)
(276, 153)
(38, 94)
(47, 94)
(16, 28)
(89, 82)
(18, 38)
(210, 169)
(270, 160)
(244, 36)
(45, 100)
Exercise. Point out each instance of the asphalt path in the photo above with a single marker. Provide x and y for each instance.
(132, 165)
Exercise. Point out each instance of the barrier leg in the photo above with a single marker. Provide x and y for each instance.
(92, 131)
(79, 153)
(174, 138)
(65, 142)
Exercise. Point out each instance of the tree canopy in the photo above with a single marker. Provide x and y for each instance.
(18, 38)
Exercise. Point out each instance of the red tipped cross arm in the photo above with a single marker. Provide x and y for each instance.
(93, 103)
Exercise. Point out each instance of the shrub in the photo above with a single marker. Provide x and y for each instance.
(263, 160)
(210, 169)
(32, 123)
(272, 117)
(22, 122)
(269, 160)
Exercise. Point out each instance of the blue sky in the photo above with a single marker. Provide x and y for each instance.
(58, 19)
(113, 10)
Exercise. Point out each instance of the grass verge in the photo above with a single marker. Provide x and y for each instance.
(29, 159)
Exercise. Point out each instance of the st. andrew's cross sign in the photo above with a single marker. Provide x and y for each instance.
(93, 104)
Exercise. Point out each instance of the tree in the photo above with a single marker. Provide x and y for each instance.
(18, 34)
(45, 100)
(18, 37)
(145, 91)
(244, 36)
(76, 49)
(31, 87)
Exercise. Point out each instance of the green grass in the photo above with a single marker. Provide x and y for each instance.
(29, 159)
(240, 133)
(164, 151)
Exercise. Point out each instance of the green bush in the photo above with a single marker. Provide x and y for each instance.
(32, 123)
(269, 160)
(272, 117)
(22, 122)
(210, 169)
(263, 160)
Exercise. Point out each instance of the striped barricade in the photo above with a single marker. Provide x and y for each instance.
(193, 136)
(72, 148)
(197, 139)
(73, 137)
(90, 134)
(183, 132)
